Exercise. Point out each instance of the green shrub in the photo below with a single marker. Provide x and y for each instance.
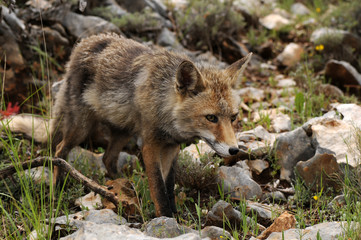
(205, 23)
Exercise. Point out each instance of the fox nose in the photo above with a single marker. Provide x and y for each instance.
(233, 150)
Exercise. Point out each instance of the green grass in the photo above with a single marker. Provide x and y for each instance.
(25, 205)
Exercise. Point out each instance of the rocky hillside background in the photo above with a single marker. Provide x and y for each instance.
(298, 173)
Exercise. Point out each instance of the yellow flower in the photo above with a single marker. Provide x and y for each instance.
(319, 47)
(315, 197)
(318, 10)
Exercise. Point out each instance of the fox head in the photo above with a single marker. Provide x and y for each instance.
(207, 104)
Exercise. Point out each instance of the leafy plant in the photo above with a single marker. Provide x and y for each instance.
(206, 22)
(199, 174)
(138, 22)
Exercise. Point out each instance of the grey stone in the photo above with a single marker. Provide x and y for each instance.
(292, 147)
(326, 230)
(166, 38)
(10, 47)
(322, 35)
(238, 182)
(104, 216)
(223, 210)
(256, 7)
(265, 213)
(299, 9)
(330, 91)
(84, 26)
(322, 168)
(164, 227)
(16, 25)
(93, 159)
(342, 74)
(139, 5)
(114, 8)
(272, 197)
(211, 59)
(39, 174)
(110, 231)
(215, 233)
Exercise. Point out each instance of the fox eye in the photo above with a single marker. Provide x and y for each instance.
(212, 118)
(234, 117)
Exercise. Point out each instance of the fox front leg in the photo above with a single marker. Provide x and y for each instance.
(159, 167)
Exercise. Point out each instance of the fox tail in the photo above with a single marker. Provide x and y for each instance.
(35, 127)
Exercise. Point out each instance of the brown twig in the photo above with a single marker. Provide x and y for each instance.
(67, 168)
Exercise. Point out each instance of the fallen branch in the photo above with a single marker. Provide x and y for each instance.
(67, 168)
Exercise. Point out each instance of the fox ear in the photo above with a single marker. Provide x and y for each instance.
(188, 78)
(236, 70)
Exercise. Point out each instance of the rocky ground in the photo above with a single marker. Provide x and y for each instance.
(297, 175)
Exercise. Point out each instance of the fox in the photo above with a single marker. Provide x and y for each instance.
(162, 97)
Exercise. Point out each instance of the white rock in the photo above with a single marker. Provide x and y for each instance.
(251, 93)
(91, 201)
(286, 82)
(321, 33)
(255, 7)
(39, 174)
(199, 149)
(326, 230)
(291, 55)
(299, 9)
(281, 123)
(339, 135)
(274, 21)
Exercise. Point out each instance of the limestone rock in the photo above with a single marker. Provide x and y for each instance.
(286, 82)
(292, 147)
(281, 123)
(274, 197)
(274, 21)
(282, 223)
(339, 135)
(215, 233)
(265, 213)
(251, 93)
(108, 231)
(197, 150)
(326, 230)
(164, 227)
(93, 159)
(223, 210)
(257, 166)
(91, 201)
(84, 26)
(322, 168)
(10, 47)
(299, 9)
(342, 74)
(238, 182)
(291, 55)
